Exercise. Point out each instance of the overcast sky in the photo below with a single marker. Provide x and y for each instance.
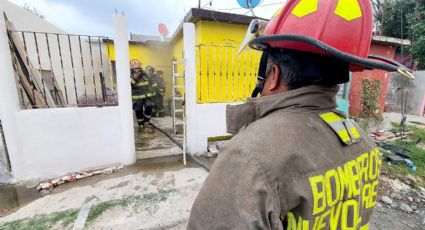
(93, 17)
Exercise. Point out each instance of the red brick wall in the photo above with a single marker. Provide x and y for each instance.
(356, 81)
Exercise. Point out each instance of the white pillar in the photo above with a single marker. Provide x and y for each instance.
(192, 138)
(120, 26)
(9, 102)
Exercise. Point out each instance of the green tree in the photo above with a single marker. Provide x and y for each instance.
(403, 19)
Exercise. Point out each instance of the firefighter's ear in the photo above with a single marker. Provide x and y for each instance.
(274, 77)
(273, 82)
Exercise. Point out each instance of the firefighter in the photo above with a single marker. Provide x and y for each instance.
(295, 161)
(142, 94)
(154, 87)
(160, 91)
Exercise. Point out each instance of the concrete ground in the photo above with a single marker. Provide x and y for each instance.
(155, 144)
(153, 194)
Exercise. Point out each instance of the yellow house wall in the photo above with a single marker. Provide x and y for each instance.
(222, 75)
(177, 55)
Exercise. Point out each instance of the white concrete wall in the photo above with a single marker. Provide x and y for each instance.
(58, 141)
(202, 120)
(52, 142)
(122, 56)
(415, 96)
(4, 165)
(9, 100)
(418, 91)
(25, 20)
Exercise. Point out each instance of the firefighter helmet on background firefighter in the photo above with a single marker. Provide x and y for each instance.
(135, 64)
(150, 69)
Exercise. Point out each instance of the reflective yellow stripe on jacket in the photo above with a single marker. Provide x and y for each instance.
(143, 83)
(150, 94)
(138, 97)
(344, 128)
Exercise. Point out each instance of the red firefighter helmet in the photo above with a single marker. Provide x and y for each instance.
(339, 28)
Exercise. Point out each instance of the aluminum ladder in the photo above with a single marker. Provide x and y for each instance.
(178, 96)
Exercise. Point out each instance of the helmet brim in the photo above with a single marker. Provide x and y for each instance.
(262, 43)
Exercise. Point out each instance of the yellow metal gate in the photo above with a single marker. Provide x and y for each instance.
(222, 75)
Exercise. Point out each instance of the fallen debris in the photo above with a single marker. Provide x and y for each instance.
(410, 180)
(82, 215)
(46, 187)
(388, 136)
(213, 150)
(406, 208)
(387, 200)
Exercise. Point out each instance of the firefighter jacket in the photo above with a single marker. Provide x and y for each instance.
(296, 163)
(143, 87)
(157, 78)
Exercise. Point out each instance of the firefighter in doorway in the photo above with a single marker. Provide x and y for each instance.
(295, 161)
(160, 91)
(142, 94)
(159, 87)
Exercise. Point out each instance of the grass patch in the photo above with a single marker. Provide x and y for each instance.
(130, 201)
(417, 156)
(43, 221)
(66, 218)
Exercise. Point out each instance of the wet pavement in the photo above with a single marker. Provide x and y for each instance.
(14, 197)
(151, 194)
(152, 143)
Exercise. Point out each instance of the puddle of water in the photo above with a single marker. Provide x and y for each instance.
(13, 197)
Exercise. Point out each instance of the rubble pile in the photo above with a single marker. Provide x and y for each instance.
(45, 188)
(401, 194)
(382, 135)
